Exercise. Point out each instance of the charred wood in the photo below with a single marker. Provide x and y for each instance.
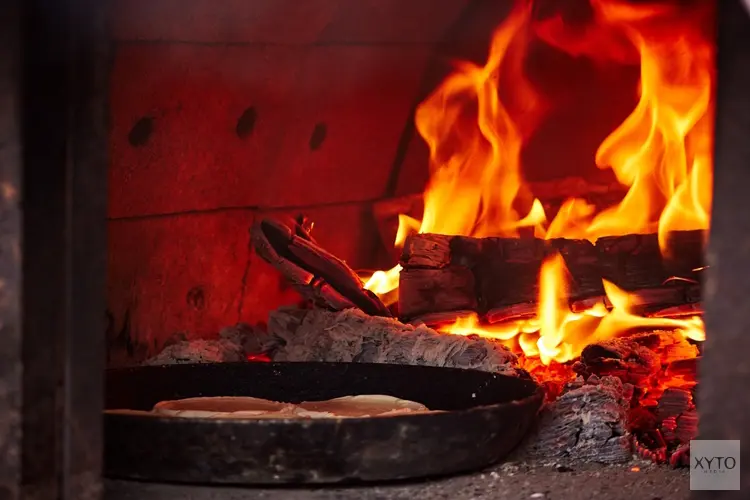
(681, 456)
(434, 320)
(687, 426)
(661, 366)
(510, 313)
(622, 358)
(639, 358)
(506, 270)
(695, 309)
(684, 368)
(318, 275)
(635, 261)
(432, 251)
(600, 191)
(673, 403)
(423, 291)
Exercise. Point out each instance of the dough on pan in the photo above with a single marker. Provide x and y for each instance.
(242, 407)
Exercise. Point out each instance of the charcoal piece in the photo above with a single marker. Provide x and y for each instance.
(681, 456)
(588, 422)
(687, 426)
(650, 445)
(352, 336)
(673, 403)
(685, 368)
(625, 359)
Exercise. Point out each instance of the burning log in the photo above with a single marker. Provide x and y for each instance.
(424, 291)
(601, 192)
(352, 336)
(587, 422)
(634, 261)
(505, 272)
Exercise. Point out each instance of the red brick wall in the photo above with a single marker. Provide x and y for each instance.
(227, 110)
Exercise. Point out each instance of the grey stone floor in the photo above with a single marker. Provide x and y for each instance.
(635, 481)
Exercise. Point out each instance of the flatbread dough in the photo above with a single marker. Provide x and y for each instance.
(362, 406)
(221, 406)
(231, 407)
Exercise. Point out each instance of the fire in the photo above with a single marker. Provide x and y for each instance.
(475, 147)
(475, 125)
(385, 284)
(558, 334)
(475, 144)
(662, 151)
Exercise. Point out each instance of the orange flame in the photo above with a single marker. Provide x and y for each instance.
(384, 284)
(559, 334)
(475, 147)
(475, 144)
(661, 152)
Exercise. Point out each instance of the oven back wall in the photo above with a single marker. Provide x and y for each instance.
(226, 111)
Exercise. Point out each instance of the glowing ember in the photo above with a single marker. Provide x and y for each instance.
(262, 357)
(661, 152)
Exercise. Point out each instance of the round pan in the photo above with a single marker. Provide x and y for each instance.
(485, 416)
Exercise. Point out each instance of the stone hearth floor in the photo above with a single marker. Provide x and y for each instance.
(509, 481)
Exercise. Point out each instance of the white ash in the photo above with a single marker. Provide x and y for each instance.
(233, 344)
(253, 339)
(296, 334)
(198, 351)
(353, 336)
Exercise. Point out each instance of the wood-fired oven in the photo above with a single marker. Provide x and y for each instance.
(191, 182)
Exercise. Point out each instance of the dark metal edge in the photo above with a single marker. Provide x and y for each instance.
(64, 252)
(10, 247)
(725, 366)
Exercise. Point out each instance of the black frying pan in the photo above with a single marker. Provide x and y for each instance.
(486, 416)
